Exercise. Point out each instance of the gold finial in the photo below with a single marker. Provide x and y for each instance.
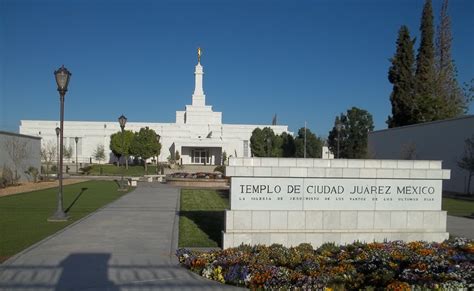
(199, 54)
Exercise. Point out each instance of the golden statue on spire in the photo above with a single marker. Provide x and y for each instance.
(199, 54)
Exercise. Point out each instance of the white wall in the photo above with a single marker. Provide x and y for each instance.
(32, 158)
(439, 140)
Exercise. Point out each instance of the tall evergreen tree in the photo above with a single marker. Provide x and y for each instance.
(428, 105)
(401, 75)
(448, 89)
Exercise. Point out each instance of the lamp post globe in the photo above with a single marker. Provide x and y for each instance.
(122, 121)
(62, 77)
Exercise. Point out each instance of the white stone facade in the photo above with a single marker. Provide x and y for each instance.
(198, 134)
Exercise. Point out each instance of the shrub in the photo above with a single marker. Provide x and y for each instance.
(33, 172)
(7, 176)
(86, 170)
(220, 169)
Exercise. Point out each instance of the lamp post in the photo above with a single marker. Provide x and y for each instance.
(338, 128)
(122, 121)
(62, 76)
(76, 139)
(304, 151)
(58, 131)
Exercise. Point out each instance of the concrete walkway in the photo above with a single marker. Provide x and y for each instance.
(460, 226)
(128, 245)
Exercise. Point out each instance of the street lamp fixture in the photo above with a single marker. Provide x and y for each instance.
(122, 121)
(76, 139)
(338, 128)
(62, 76)
(58, 131)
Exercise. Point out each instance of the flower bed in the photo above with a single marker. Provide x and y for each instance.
(391, 265)
(206, 180)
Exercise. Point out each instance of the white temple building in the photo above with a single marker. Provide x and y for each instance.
(198, 135)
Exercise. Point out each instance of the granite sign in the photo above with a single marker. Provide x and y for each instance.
(291, 201)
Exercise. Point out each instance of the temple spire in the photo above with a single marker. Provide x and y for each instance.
(199, 99)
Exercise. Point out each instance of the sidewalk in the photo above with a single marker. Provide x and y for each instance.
(128, 245)
(460, 226)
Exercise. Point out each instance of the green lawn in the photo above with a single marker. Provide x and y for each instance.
(23, 217)
(113, 170)
(458, 207)
(201, 218)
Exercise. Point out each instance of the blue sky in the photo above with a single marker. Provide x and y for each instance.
(303, 60)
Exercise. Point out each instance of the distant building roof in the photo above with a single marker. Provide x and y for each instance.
(18, 134)
(425, 123)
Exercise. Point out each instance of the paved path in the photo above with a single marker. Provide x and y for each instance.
(128, 245)
(460, 226)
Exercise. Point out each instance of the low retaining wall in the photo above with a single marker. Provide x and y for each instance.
(290, 228)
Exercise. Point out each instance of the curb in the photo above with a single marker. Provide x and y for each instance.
(175, 235)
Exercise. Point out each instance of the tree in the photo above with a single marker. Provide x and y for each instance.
(177, 157)
(401, 75)
(257, 143)
(33, 172)
(355, 126)
(67, 152)
(288, 145)
(467, 161)
(99, 153)
(454, 102)
(468, 89)
(116, 144)
(145, 145)
(428, 104)
(17, 150)
(264, 143)
(224, 158)
(276, 146)
(314, 144)
(48, 155)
